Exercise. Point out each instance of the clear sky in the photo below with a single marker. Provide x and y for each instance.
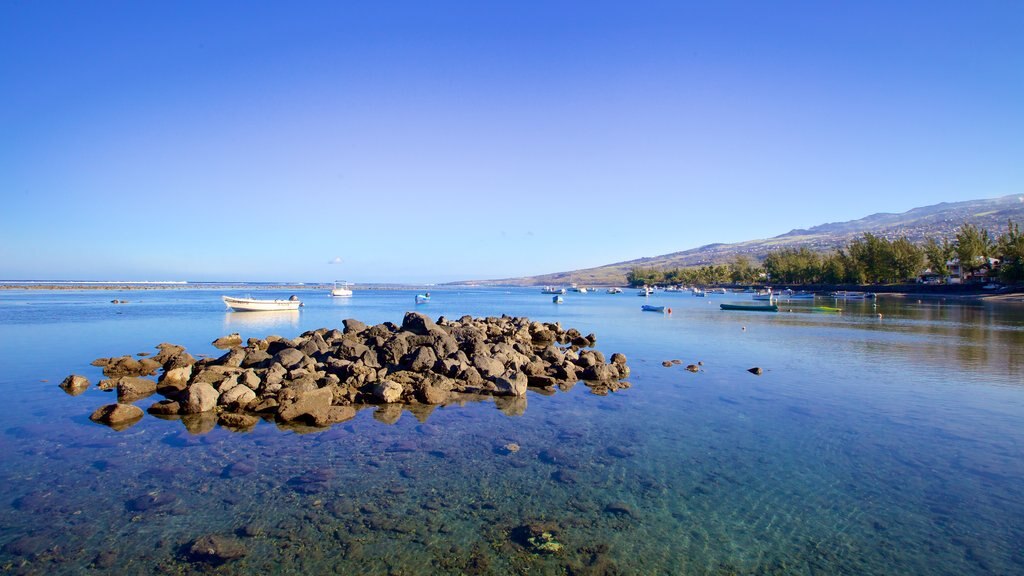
(434, 141)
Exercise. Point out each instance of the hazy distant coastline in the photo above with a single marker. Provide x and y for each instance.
(146, 285)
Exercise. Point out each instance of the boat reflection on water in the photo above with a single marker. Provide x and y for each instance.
(262, 320)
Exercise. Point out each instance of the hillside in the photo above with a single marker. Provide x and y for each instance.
(938, 220)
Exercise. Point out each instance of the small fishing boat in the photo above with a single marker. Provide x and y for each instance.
(645, 291)
(826, 309)
(257, 305)
(751, 307)
(765, 295)
(423, 298)
(342, 291)
(552, 290)
(557, 299)
(699, 293)
(615, 290)
(649, 308)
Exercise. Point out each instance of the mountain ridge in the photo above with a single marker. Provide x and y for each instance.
(936, 220)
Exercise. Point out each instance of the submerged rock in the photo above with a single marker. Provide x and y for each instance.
(756, 370)
(216, 549)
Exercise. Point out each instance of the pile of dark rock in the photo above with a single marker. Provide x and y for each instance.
(322, 376)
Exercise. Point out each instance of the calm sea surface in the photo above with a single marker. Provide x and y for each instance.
(870, 445)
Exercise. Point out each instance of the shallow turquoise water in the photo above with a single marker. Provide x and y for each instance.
(870, 445)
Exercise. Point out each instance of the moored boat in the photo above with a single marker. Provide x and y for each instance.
(258, 305)
(552, 290)
(615, 290)
(751, 307)
(645, 291)
(765, 295)
(342, 291)
(649, 308)
(557, 299)
(423, 298)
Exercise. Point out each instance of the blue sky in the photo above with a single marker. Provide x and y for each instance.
(437, 141)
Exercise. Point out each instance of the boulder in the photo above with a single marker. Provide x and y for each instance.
(229, 341)
(305, 404)
(239, 421)
(199, 397)
(421, 359)
(417, 323)
(512, 384)
(130, 388)
(290, 358)
(165, 408)
(756, 370)
(353, 326)
(335, 415)
(239, 397)
(75, 384)
(388, 392)
(487, 366)
(117, 416)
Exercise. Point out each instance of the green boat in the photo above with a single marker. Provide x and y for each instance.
(751, 307)
(826, 309)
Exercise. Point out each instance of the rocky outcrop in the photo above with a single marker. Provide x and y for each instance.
(324, 375)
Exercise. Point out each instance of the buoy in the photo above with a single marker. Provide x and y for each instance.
(744, 328)
(669, 310)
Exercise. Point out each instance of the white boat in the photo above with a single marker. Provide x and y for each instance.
(615, 290)
(788, 294)
(341, 292)
(557, 299)
(765, 295)
(698, 292)
(552, 290)
(645, 291)
(256, 305)
(423, 298)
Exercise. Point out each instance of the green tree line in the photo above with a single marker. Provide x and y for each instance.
(869, 259)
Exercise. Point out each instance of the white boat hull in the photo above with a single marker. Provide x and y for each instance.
(254, 305)
(341, 293)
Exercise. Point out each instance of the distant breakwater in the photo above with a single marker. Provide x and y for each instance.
(324, 376)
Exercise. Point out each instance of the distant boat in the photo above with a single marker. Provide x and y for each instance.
(826, 309)
(557, 299)
(751, 307)
(615, 290)
(552, 290)
(423, 298)
(649, 308)
(256, 305)
(788, 294)
(698, 292)
(645, 291)
(764, 295)
(846, 295)
(341, 292)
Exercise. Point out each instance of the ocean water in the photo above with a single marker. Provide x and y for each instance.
(888, 439)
